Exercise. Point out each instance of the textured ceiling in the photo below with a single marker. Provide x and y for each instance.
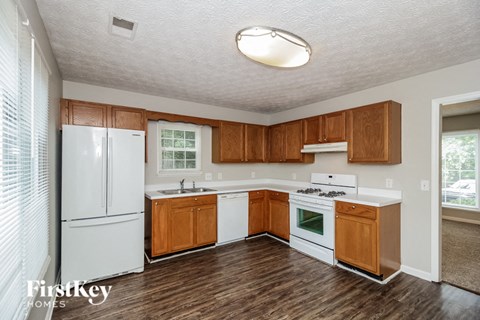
(186, 49)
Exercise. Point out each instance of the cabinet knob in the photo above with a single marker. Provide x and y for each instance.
(349, 159)
(324, 139)
(196, 199)
(353, 207)
(336, 216)
(198, 209)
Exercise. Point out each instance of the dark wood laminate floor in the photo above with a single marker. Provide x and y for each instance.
(264, 279)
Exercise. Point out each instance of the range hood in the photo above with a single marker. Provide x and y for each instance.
(325, 147)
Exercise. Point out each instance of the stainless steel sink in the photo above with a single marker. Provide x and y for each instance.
(189, 190)
(173, 191)
(200, 190)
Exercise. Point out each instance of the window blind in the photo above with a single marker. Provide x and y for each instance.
(23, 162)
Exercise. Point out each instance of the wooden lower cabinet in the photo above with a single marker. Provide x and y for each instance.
(368, 237)
(178, 224)
(256, 212)
(278, 215)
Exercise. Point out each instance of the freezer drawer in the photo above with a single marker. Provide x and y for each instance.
(103, 247)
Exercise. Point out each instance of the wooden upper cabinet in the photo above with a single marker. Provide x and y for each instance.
(83, 113)
(276, 142)
(293, 141)
(311, 130)
(333, 127)
(92, 114)
(255, 143)
(374, 133)
(238, 142)
(128, 118)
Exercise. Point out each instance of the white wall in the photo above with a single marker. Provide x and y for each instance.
(81, 91)
(415, 94)
(55, 93)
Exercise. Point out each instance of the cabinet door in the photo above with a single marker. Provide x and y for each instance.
(368, 133)
(206, 225)
(256, 216)
(160, 223)
(128, 118)
(231, 142)
(255, 143)
(356, 242)
(276, 143)
(293, 141)
(311, 130)
(181, 229)
(333, 127)
(279, 219)
(88, 114)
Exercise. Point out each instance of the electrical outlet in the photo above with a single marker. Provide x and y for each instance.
(389, 183)
(294, 176)
(219, 176)
(208, 176)
(425, 185)
(252, 174)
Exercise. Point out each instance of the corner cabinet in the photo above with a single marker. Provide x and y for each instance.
(178, 224)
(286, 143)
(234, 142)
(368, 237)
(374, 133)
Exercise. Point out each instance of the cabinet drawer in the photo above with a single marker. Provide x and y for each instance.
(256, 194)
(193, 201)
(280, 196)
(355, 209)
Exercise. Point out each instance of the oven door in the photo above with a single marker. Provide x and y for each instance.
(312, 222)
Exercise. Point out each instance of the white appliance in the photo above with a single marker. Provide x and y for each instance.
(232, 217)
(102, 202)
(312, 223)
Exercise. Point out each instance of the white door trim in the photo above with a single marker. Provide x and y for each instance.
(436, 221)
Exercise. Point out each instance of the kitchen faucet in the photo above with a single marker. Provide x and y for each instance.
(182, 184)
(193, 182)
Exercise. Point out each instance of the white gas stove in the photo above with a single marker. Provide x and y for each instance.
(312, 223)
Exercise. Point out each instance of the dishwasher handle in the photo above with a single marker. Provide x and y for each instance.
(233, 195)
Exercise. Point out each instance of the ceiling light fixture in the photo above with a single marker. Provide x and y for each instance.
(273, 47)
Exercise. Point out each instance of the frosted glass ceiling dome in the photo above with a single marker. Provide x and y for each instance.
(273, 47)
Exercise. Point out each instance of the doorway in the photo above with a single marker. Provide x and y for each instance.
(454, 190)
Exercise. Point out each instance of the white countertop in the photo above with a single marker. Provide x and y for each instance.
(225, 189)
(369, 200)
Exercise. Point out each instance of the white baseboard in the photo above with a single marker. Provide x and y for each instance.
(416, 272)
(49, 314)
(461, 219)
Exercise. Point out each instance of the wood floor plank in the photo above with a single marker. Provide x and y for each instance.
(264, 279)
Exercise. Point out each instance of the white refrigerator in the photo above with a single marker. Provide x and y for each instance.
(102, 202)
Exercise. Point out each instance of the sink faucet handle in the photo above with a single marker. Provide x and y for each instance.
(181, 183)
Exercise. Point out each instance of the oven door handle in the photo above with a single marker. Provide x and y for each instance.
(315, 206)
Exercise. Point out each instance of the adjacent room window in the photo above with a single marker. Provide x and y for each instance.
(24, 183)
(460, 175)
(178, 147)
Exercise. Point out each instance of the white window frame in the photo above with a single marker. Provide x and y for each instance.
(477, 167)
(162, 125)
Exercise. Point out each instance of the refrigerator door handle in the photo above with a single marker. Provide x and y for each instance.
(110, 171)
(104, 174)
(102, 221)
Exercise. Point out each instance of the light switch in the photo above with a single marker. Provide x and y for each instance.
(208, 176)
(425, 185)
(219, 176)
(389, 183)
(252, 174)
(294, 176)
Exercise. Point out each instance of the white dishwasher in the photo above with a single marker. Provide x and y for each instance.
(232, 217)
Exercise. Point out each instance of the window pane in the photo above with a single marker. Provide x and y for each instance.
(190, 135)
(167, 155)
(190, 144)
(179, 155)
(190, 154)
(167, 133)
(167, 164)
(179, 164)
(191, 164)
(167, 143)
(178, 134)
(179, 143)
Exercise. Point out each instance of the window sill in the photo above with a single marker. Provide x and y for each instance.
(461, 208)
(179, 173)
